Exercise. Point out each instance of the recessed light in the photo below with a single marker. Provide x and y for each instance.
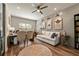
(18, 7)
(55, 9)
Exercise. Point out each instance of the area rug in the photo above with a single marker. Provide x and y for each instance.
(35, 50)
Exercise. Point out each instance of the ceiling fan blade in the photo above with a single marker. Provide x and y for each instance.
(44, 7)
(34, 11)
(41, 12)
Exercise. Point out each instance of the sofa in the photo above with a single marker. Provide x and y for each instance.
(46, 36)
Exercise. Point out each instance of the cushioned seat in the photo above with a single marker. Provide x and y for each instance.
(46, 37)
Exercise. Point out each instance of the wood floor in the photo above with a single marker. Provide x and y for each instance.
(59, 50)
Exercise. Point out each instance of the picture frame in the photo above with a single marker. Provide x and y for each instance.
(43, 24)
(48, 24)
(58, 23)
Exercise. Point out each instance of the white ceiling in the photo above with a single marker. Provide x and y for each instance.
(26, 9)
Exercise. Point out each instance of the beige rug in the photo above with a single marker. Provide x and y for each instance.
(36, 50)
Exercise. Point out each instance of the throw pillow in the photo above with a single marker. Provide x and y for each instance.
(53, 35)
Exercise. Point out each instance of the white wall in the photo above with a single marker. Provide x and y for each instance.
(68, 21)
(0, 15)
(38, 25)
(7, 16)
(15, 21)
(0, 21)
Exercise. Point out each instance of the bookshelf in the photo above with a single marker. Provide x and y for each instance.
(76, 27)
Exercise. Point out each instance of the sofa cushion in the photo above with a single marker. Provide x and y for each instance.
(57, 33)
(46, 37)
(49, 38)
(53, 35)
(47, 33)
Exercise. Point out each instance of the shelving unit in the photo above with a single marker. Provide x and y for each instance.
(76, 30)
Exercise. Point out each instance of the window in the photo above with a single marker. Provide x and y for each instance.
(22, 25)
(25, 26)
(28, 26)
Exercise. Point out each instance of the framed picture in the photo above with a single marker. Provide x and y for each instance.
(48, 24)
(43, 24)
(58, 23)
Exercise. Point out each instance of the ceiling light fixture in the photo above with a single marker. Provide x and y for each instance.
(38, 10)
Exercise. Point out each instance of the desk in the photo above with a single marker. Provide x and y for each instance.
(11, 39)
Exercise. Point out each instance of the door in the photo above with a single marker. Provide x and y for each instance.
(1, 30)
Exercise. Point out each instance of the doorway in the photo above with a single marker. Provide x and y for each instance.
(2, 29)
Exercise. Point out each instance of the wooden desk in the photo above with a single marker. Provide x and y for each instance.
(11, 39)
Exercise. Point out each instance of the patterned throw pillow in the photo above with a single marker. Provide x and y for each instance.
(53, 35)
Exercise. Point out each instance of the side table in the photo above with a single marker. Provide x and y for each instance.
(65, 40)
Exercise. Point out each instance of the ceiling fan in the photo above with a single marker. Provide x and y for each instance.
(39, 8)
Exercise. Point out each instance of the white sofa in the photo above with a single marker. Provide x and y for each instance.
(46, 37)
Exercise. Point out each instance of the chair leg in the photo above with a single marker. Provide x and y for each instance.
(18, 43)
(27, 42)
(24, 43)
